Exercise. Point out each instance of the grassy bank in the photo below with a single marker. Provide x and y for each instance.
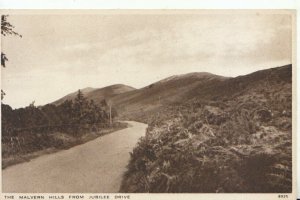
(236, 142)
(19, 150)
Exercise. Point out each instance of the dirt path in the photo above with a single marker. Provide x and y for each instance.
(94, 167)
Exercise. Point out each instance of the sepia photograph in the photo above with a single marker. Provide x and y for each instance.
(127, 102)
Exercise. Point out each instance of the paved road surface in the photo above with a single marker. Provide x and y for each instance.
(94, 167)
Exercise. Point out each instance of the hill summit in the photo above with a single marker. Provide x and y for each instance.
(97, 94)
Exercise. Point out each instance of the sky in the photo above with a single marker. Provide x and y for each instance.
(59, 54)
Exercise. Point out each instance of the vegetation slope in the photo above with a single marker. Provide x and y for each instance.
(233, 135)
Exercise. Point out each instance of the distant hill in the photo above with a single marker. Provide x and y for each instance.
(196, 86)
(72, 95)
(174, 89)
(98, 94)
(233, 87)
(108, 92)
(134, 104)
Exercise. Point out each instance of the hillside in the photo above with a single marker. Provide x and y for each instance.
(258, 81)
(236, 130)
(97, 94)
(72, 95)
(108, 92)
(139, 104)
(174, 89)
(142, 103)
(131, 103)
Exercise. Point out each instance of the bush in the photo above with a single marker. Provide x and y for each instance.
(238, 145)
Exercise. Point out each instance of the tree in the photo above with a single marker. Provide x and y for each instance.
(3, 59)
(65, 111)
(80, 107)
(108, 107)
(2, 94)
(6, 29)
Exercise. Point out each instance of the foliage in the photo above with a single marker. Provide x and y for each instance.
(6, 29)
(32, 128)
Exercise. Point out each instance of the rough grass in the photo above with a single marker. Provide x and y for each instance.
(233, 144)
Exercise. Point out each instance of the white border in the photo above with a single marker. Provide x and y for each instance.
(168, 4)
(148, 4)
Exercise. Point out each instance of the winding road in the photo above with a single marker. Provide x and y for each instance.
(94, 167)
